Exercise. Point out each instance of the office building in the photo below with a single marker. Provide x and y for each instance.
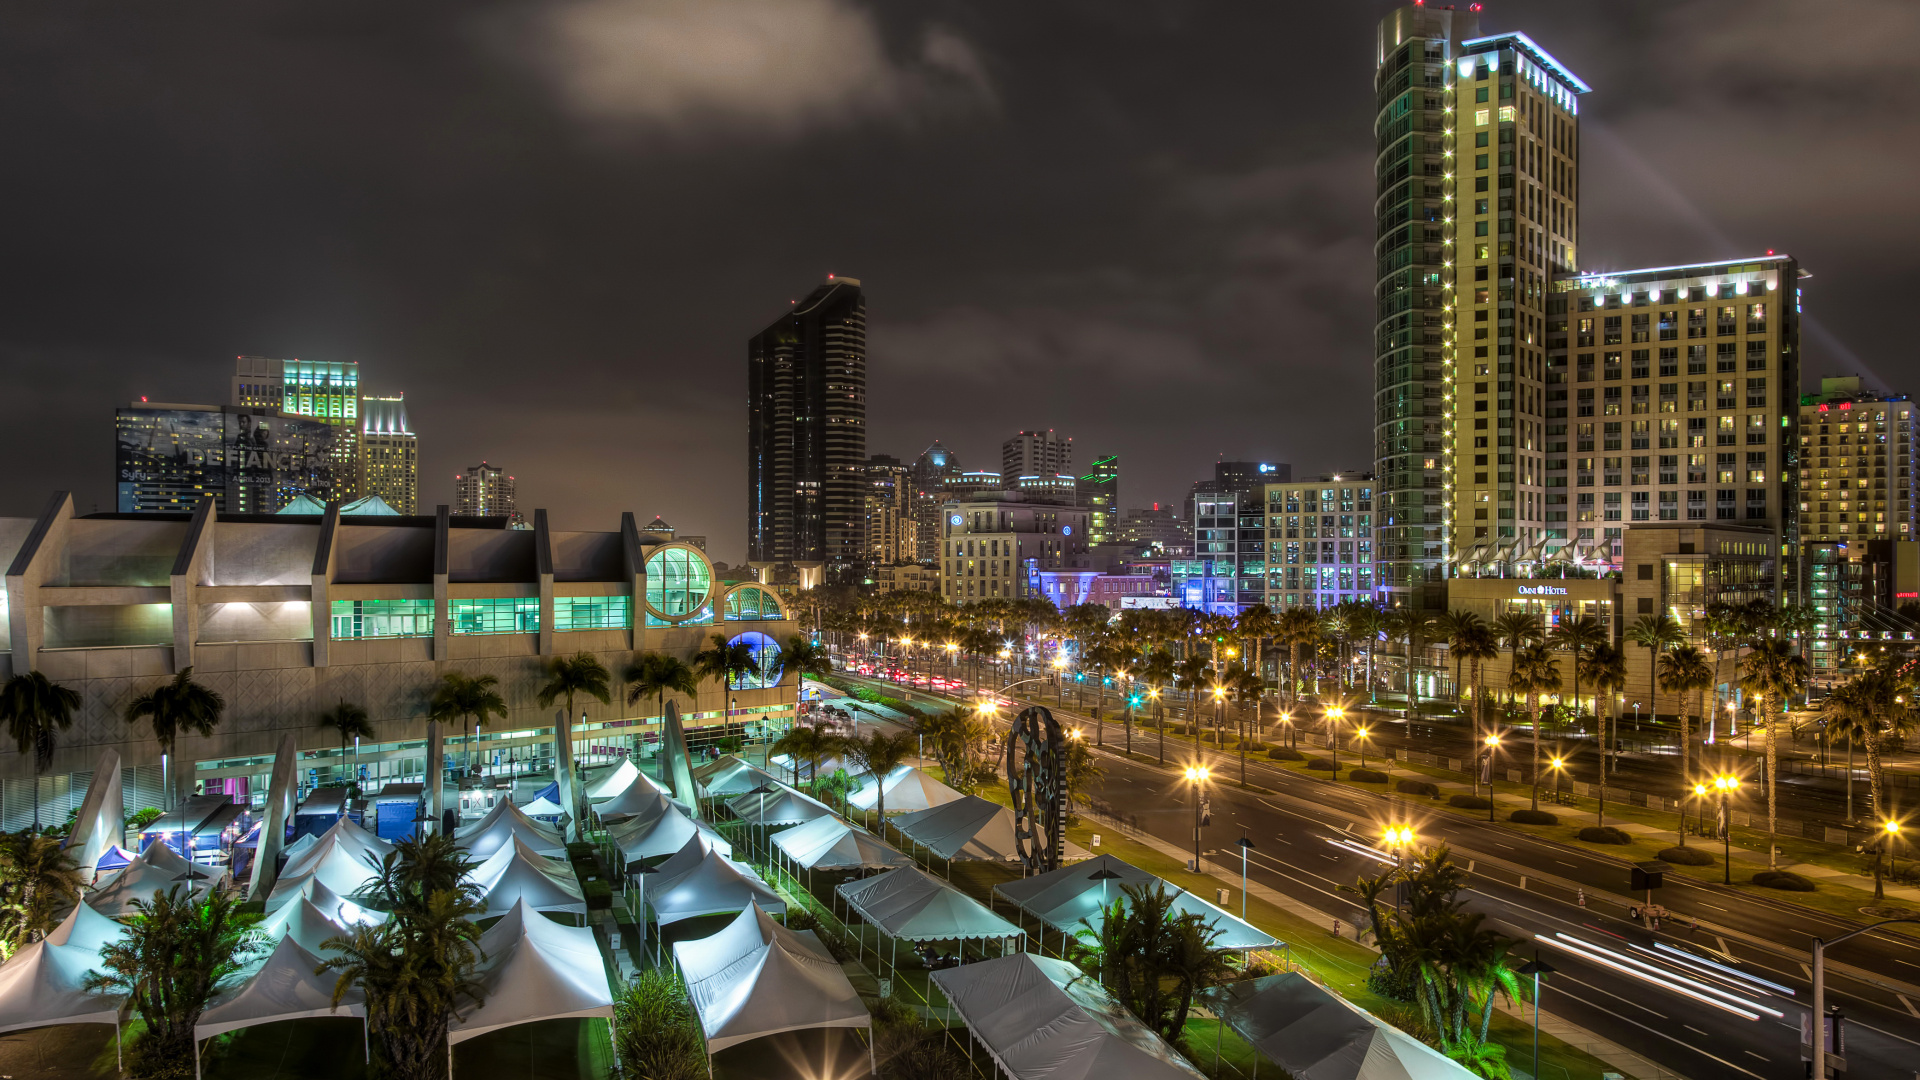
(1319, 543)
(248, 460)
(1229, 527)
(286, 616)
(934, 463)
(1035, 453)
(485, 490)
(1100, 494)
(995, 545)
(1155, 532)
(325, 391)
(807, 434)
(1857, 451)
(1060, 489)
(389, 452)
(1243, 477)
(890, 529)
(962, 485)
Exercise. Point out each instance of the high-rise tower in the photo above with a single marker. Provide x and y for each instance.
(322, 390)
(807, 433)
(1035, 453)
(389, 452)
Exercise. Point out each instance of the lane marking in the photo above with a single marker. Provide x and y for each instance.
(1564, 862)
(1751, 1054)
(1696, 1030)
(1908, 1004)
(1652, 1030)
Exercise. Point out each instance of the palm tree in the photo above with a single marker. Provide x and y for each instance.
(1476, 645)
(1578, 635)
(466, 698)
(1414, 627)
(1772, 673)
(808, 744)
(568, 678)
(176, 952)
(1655, 633)
(879, 754)
(725, 662)
(1868, 708)
(1517, 629)
(175, 707)
(350, 720)
(1256, 625)
(1452, 628)
(38, 881)
(801, 657)
(1682, 670)
(36, 710)
(1535, 670)
(1607, 672)
(1365, 621)
(655, 674)
(1191, 675)
(1298, 627)
(1158, 673)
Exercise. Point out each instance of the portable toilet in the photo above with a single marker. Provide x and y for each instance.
(396, 810)
(319, 811)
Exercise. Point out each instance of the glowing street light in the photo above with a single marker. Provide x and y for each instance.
(1559, 766)
(1360, 733)
(1726, 784)
(1493, 747)
(1196, 775)
(1335, 714)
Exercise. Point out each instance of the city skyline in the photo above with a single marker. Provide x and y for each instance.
(1230, 223)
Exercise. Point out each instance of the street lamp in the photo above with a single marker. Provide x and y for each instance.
(1360, 734)
(1700, 808)
(1287, 719)
(1153, 695)
(1536, 968)
(1559, 766)
(1726, 784)
(1335, 714)
(1196, 775)
(1219, 702)
(1493, 747)
(1245, 844)
(1060, 676)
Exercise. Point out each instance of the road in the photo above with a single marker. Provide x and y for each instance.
(1527, 888)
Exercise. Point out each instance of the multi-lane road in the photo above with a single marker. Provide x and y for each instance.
(1658, 993)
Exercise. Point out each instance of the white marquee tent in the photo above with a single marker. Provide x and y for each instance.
(505, 823)
(783, 806)
(911, 905)
(45, 984)
(697, 881)
(516, 874)
(158, 869)
(968, 828)
(305, 924)
(829, 843)
(757, 978)
(907, 789)
(639, 800)
(639, 838)
(535, 969)
(1063, 898)
(87, 930)
(624, 776)
(1042, 1019)
(285, 988)
(342, 861)
(731, 776)
(1315, 1035)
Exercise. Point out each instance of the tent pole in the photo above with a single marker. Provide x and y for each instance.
(366, 1039)
(196, 1059)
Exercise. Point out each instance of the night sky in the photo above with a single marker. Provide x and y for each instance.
(1146, 225)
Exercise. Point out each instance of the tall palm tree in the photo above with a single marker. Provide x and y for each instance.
(1255, 625)
(172, 708)
(801, 657)
(1683, 670)
(569, 677)
(1535, 671)
(1607, 673)
(350, 721)
(1453, 627)
(725, 662)
(1190, 675)
(809, 744)
(1476, 645)
(469, 699)
(879, 754)
(177, 952)
(654, 674)
(36, 710)
(1578, 635)
(40, 881)
(1772, 673)
(1414, 627)
(1655, 633)
(1157, 671)
(1868, 708)
(1516, 630)
(1365, 621)
(1298, 628)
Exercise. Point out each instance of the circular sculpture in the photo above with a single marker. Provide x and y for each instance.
(1037, 780)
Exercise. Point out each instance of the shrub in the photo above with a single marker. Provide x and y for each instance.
(1685, 856)
(579, 852)
(799, 918)
(1321, 764)
(1533, 817)
(1418, 787)
(1468, 802)
(599, 895)
(655, 1032)
(1284, 753)
(1252, 745)
(1367, 776)
(144, 817)
(1782, 880)
(1604, 834)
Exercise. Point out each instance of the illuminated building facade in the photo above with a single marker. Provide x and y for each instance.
(389, 452)
(996, 545)
(1857, 451)
(1319, 543)
(934, 463)
(484, 491)
(325, 391)
(167, 458)
(1035, 453)
(1100, 494)
(890, 528)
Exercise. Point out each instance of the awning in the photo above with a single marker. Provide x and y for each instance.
(911, 905)
(1065, 897)
(968, 828)
(757, 978)
(535, 969)
(641, 838)
(907, 789)
(1316, 1035)
(828, 843)
(285, 988)
(516, 875)
(503, 824)
(697, 881)
(45, 984)
(1042, 1019)
(783, 806)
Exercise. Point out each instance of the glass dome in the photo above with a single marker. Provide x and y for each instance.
(678, 581)
(752, 602)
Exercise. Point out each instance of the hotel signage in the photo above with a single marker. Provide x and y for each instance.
(1542, 590)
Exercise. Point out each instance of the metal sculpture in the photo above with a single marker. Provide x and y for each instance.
(1037, 781)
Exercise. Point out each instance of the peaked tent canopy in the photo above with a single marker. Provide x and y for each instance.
(285, 988)
(623, 776)
(344, 834)
(731, 776)
(907, 789)
(828, 766)
(535, 969)
(758, 978)
(968, 828)
(87, 930)
(300, 847)
(45, 984)
(516, 875)
(1315, 1035)
(639, 838)
(345, 861)
(331, 904)
(639, 800)
(305, 924)
(110, 860)
(144, 876)
(782, 807)
(828, 843)
(543, 807)
(1065, 897)
(1042, 1019)
(910, 905)
(503, 824)
(698, 882)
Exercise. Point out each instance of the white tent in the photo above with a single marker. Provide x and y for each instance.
(1071, 895)
(1316, 1035)
(44, 984)
(910, 905)
(103, 815)
(345, 860)
(757, 978)
(828, 843)
(968, 828)
(300, 847)
(342, 834)
(828, 766)
(639, 839)
(636, 802)
(516, 874)
(87, 930)
(624, 776)
(1042, 1019)
(158, 869)
(907, 789)
(331, 904)
(543, 808)
(285, 988)
(784, 806)
(731, 776)
(535, 969)
(505, 823)
(305, 924)
(697, 881)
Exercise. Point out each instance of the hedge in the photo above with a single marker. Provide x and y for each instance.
(1418, 787)
(1783, 880)
(1604, 834)
(1685, 856)
(1284, 753)
(1367, 776)
(1321, 764)
(1533, 817)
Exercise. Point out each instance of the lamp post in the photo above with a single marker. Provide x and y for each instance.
(1399, 839)
(1245, 844)
(1536, 968)
(1700, 808)
(1219, 704)
(1131, 702)
(1287, 719)
(1153, 693)
(1726, 784)
(1335, 714)
(1060, 677)
(1493, 747)
(1559, 766)
(1196, 775)
(1360, 736)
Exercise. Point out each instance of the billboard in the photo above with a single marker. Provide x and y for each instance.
(168, 457)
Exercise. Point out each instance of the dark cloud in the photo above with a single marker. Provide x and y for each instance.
(554, 225)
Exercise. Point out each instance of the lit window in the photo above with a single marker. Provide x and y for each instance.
(1506, 114)
(1480, 116)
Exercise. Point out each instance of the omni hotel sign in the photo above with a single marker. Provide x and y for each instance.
(1542, 590)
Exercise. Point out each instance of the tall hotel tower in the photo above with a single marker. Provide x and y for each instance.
(1478, 182)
